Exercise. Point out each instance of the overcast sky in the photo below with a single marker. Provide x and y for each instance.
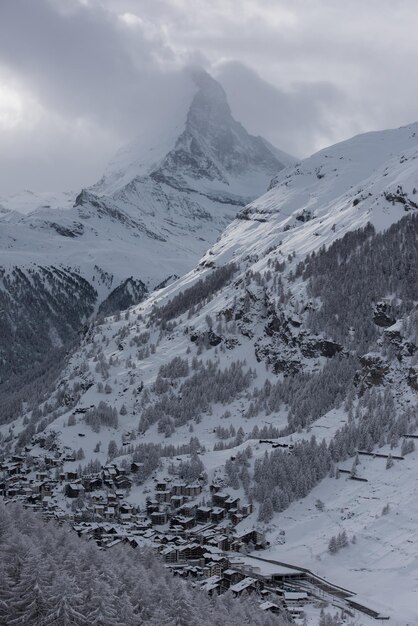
(79, 78)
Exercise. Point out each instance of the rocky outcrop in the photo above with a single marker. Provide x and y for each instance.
(382, 316)
(373, 372)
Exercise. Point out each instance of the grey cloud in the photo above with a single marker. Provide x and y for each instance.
(303, 74)
(298, 120)
(82, 61)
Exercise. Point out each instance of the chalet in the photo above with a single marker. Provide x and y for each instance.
(92, 484)
(190, 551)
(73, 490)
(112, 498)
(169, 554)
(235, 517)
(133, 540)
(203, 514)
(215, 557)
(212, 568)
(217, 514)
(220, 541)
(231, 577)
(52, 461)
(45, 476)
(109, 512)
(214, 488)
(184, 522)
(12, 490)
(188, 510)
(164, 496)
(18, 458)
(45, 489)
(269, 607)
(212, 585)
(122, 482)
(135, 467)
(176, 501)
(109, 473)
(12, 469)
(161, 486)
(152, 506)
(126, 508)
(178, 489)
(98, 508)
(69, 475)
(295, 612)
(246, 509)
(231, 503)
(158, 518)
(251, 536)
(188, 571)
(193, 490)
(220, 498)
(246, 585)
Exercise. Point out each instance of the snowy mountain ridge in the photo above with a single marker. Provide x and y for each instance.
(151, 217)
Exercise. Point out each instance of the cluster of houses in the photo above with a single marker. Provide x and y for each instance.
(173, 503)
(194, 538)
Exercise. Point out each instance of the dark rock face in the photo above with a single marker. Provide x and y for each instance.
(214, 340)
(43, 310)
(287, 331)
(413, 378)
(207, 338)
(374, 370)
(329, 348)
(382, 317)
(128, 293)
(286, 367)
(76, 230)
(400, 197)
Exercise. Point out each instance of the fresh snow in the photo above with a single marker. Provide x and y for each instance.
(371, 178)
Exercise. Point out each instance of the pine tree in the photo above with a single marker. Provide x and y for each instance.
(333, 545)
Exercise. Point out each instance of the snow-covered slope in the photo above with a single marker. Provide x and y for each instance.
(266, 340)
(160, 204)
(28, 201)
(370, 178)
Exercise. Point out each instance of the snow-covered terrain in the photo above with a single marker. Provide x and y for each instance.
(161, 203)
(251, 345)
(28, 201)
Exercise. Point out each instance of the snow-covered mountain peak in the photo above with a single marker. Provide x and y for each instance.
(200, 147)
(162, 202)
(215, 153)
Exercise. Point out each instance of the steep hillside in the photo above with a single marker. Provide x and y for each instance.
(267, 371)
(161, 203)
